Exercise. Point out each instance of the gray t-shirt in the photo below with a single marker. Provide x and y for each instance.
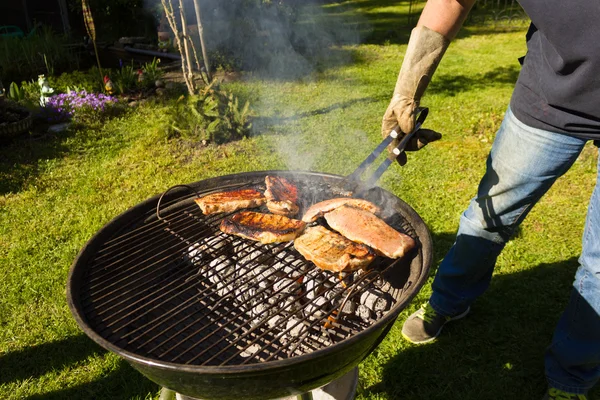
(559, 84)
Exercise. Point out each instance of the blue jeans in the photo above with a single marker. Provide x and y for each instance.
(523, 164)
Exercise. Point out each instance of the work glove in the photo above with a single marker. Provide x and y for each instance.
(425, 50)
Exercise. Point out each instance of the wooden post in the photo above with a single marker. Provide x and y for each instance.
(202, 45)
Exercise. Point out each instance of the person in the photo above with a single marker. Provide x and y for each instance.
(554, 110)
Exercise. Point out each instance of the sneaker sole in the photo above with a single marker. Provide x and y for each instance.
(431, 339)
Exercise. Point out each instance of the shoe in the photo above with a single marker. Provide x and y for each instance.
(555, 394)
(425, 324)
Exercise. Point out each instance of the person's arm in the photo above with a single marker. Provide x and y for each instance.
(445, 16)
(438, 24)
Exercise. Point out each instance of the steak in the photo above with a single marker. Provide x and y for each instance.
(331, 251)
(230, 201)
(264, 228)
(365, 227)
(319, 209)
(281, 195)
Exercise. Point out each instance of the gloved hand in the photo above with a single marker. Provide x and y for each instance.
(425, 50)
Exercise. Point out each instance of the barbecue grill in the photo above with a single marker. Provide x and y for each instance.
(215, 316)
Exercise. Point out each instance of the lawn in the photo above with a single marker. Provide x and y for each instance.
(56, 191)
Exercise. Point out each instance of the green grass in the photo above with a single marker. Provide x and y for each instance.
(57, 191)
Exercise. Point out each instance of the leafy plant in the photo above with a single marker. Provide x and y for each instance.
(81, 80)
(126, 79)
(152, 73)
(15, 92)
(213, 115)
(235, 121)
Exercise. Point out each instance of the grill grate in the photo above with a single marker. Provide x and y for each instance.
(176, 289)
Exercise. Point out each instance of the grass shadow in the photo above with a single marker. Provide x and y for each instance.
(261, 124)
(496, 352)
(35, 361)
(451, 85)
(20, 158)
(123, 382)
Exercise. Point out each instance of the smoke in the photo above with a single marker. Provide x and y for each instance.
(278, 40)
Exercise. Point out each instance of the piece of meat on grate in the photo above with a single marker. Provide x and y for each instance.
(319, 209)
(365, 227)
(230, 201)
(264, 228)
(331, 251)
(281, 195)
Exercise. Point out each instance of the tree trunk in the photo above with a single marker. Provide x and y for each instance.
(202, 45)
(186, 46)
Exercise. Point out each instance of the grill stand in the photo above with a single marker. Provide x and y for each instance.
(343, 388)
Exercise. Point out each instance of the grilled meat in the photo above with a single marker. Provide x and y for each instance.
(284, 207)
(281, 195)
(230, 201)
(331, 251)
(365, 227)
(319, 209)
(264, 228)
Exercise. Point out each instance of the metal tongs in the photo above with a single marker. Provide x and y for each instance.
(353, 181)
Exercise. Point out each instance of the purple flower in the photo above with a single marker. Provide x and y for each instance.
(77, 105)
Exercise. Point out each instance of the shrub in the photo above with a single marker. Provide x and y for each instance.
(79, 80)
(213, 115)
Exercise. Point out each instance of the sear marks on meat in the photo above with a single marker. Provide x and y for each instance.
(319, 209)
(365, 227)
(331, 251)
(230, 201)
(281, 195)
(264, 228)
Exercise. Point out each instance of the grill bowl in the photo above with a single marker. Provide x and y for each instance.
(260, 380)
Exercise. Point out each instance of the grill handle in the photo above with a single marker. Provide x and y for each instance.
(167, 191)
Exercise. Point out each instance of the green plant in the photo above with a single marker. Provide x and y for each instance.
(213, 115)
(126, 78)
(15, 92)
(80, 80)
(152, 73)
(235, 121)
(49, 66)
(32, 92)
